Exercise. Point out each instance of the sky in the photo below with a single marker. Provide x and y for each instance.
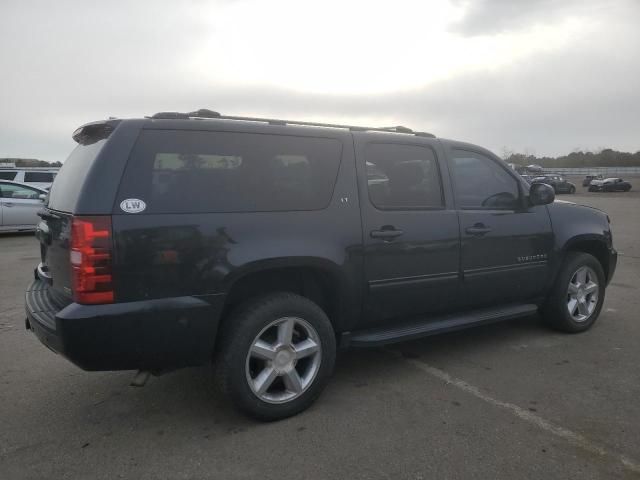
(544, 77)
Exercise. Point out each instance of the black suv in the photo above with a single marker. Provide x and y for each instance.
(265, 245)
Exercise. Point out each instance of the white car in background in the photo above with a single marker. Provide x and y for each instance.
(36, 176)
(19, 206)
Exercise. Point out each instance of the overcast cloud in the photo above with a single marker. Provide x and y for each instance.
(542, 76)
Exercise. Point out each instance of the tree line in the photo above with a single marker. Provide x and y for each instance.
(29, 162)
(603, 158)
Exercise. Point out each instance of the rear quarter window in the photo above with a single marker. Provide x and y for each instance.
(66, 189)
(194, 171)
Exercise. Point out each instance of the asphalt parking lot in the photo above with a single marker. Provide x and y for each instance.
(513, 400)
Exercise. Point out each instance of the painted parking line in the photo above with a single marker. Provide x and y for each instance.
(573, 438)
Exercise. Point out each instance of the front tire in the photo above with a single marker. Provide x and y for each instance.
(578, 294)
(572, 189)
(276, 354)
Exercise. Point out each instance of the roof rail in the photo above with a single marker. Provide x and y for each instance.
(398, 129)
(204, 113)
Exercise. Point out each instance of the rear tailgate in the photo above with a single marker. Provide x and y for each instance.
(54, 230)
(54, 234)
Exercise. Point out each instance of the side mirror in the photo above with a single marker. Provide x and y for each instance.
(42, 196)
(541, 194)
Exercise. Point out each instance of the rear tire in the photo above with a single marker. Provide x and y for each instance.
(575, 302)
(275, 355)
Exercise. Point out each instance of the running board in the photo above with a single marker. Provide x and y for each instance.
(437, 324)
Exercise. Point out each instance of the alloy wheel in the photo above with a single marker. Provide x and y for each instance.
(283, 360)
(582, 294)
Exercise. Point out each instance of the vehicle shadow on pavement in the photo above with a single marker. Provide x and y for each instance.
(358, 362)
(8, 235)
(187, 400)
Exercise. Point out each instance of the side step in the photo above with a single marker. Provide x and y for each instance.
(438, 324)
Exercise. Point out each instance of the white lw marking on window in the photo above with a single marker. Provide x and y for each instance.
(133, 205)
(574, 438)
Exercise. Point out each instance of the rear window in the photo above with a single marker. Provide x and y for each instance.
(45, 177)
(187, 171)
(70, 178)
(8, 175)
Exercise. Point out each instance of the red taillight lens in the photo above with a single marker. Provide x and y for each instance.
(91, 248)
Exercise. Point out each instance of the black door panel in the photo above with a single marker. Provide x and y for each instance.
(509, 262)
(411, 232)
(504, 244)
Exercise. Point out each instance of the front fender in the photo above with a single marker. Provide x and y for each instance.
(582, 228)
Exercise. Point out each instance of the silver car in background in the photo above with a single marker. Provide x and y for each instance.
(19, 205)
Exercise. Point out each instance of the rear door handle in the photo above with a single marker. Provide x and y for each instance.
(386, 234)
(7, 204)
(478, 229)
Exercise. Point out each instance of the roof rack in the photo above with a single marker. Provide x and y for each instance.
(204, 113)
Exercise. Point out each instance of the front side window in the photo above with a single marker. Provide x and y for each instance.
(480, 183)
(198, 171)
(402, 176)
(8, 175)
(18, 192)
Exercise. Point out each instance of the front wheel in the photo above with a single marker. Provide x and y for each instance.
(276, 355)
(572, 189)
(576, 300)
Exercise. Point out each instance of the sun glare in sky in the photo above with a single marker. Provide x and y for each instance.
(347, 48)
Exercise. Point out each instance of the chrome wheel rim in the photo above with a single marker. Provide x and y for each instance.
(283, 360)
(582, 294)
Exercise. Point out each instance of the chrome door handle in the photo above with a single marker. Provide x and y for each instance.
(386, 234)
(478, 229)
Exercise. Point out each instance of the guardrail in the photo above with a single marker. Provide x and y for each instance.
(604, 171)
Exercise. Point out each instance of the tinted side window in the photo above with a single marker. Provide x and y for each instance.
(402, 176)
(38, 177)
(185, 171)
(8, 175)
(482, 183)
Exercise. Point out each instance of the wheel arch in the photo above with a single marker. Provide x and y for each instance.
(317, 279)
(595, 245)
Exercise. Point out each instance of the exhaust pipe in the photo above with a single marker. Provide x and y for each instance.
(140, 378)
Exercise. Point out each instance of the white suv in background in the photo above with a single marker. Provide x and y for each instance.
(36, 176)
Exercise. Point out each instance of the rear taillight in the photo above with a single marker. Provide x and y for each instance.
(91, 249)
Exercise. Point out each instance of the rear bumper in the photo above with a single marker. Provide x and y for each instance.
(150, 334)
